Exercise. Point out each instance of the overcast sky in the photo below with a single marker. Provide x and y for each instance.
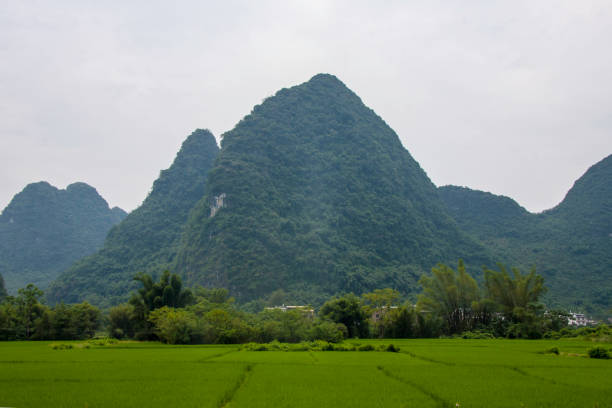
(510, 97)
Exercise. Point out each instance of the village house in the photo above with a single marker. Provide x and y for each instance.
(306, 309)
(580, 320)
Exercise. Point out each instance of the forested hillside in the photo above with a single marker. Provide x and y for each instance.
(2, 289)
(44, 229)
(313, 193)
(571, 244)
(147, 240)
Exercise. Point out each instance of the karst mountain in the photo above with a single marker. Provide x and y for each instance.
(313, 194)
(44, 230)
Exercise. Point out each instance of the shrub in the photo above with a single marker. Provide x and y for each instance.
(61, 346)
(318, 345)
(106, 341)
(392, 348)
(599, 352)
(477, 335)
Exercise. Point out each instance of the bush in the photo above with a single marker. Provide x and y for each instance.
(61, 346)
(477, 335)
(106, 341)
(599, 352)
(318, 345)
(393, 349)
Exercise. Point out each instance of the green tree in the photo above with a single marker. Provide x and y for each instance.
(401, 323)
(173, 326)
(85, 320)
(513, 291)
(29, 307)
(328, 331)
(290, 326)
(347, 310)
(213, 295)
(44, 326)
(121, 321)
(10, 322)
(225, 327)
(450, 294)
(517, 296)
(62, 323)
(381, 303)
(380, 298)
(152, 295)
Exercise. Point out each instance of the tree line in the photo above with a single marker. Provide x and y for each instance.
(452, 303)
(26, 317)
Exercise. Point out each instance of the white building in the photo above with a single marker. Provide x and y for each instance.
(580, 320)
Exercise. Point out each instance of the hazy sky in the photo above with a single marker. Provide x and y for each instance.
(511, 97)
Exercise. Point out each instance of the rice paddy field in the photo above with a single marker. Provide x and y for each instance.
(425, 373)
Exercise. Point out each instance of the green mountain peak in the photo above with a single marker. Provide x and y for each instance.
(44, 229)
(147, 239)
(571, 244)
(318, 196)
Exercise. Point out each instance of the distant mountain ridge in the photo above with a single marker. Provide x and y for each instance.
(147, 239)
(571, 244)
(44, 229)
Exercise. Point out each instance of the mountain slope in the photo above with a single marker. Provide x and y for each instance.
(314, 193)
(146, 240)
(587, 207)
(2, 289)
(44, 229)
(571, 244)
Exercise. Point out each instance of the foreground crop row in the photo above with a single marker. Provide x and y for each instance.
(424, 373)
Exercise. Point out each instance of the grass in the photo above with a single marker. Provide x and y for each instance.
(425, 373)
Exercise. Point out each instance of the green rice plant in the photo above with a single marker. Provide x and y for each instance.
(421, 373)
(323, 385)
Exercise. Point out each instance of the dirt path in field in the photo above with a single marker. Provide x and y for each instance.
(440, 402)
(227, 398)
(213, 356)
(429, 360)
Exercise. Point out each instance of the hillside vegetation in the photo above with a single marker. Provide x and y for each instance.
(44, 229)
(147, 240)
(319, 197)
(571, 244)
(312, 194)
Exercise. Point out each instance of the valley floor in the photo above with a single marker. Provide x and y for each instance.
(425, 373)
